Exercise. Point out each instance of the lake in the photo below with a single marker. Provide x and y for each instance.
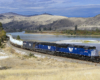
(54, 38)
(49, 37)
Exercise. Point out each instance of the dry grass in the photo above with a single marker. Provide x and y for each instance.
(31, 68)
(40, 19)
(11, 51)
(50, 74)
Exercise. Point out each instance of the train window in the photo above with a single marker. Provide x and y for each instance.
(76, 46)
(81, 46)
(92, 47)
(70, 45)
(62, 45)
(86, 48)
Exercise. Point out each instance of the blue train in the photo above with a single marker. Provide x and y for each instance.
(89, 53)
(67, 50)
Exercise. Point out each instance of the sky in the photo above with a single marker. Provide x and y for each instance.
(68, 8)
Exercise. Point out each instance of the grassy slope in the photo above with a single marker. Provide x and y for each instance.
(21, 67)
(50, 74)
(2, 33)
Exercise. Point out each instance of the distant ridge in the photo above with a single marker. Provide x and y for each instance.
(14, 22)
(46, 14)
(10, 14)
(15, 14)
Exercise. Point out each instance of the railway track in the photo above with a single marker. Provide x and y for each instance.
(58, 58)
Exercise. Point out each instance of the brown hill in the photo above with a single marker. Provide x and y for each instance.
(14, 22)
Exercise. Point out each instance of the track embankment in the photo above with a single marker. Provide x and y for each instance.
(58, 58)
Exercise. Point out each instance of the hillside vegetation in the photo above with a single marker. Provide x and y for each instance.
(2, 34)
(15, 22)
(81, 32)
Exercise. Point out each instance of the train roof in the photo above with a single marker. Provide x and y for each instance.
(29, 41)
(46, 43)
(77, 46)
(89, 47)
(63, 45)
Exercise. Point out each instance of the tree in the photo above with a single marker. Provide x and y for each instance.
(18, 37)
(2, 39)
(1, 27)
(97, 29)
(75, 29)
(50, 28)
(39, 29)
(44, 28)
(0, 24)
(0, 42)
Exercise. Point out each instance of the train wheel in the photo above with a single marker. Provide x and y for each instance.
(52, 53)
(83, 58)
(93, 60)
(57, 54)
(60, 54)
(97, 61)
(87, 59)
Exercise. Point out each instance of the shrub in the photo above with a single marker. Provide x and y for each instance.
(18, 37)
(31, 55)
(11, 50)
(0, 42)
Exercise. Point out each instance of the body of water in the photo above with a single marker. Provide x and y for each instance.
(54, 38)
(49, 38)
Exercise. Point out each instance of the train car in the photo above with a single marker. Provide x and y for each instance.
(91, 52)
(81, 52)
(64, 49)
(15, 42)
(46, 47)
(29, 45)
(69, 50)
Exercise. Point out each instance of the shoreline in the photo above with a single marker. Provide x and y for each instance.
(40, 33)
(66, 34)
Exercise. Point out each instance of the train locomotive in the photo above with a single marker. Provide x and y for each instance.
(88, 53)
